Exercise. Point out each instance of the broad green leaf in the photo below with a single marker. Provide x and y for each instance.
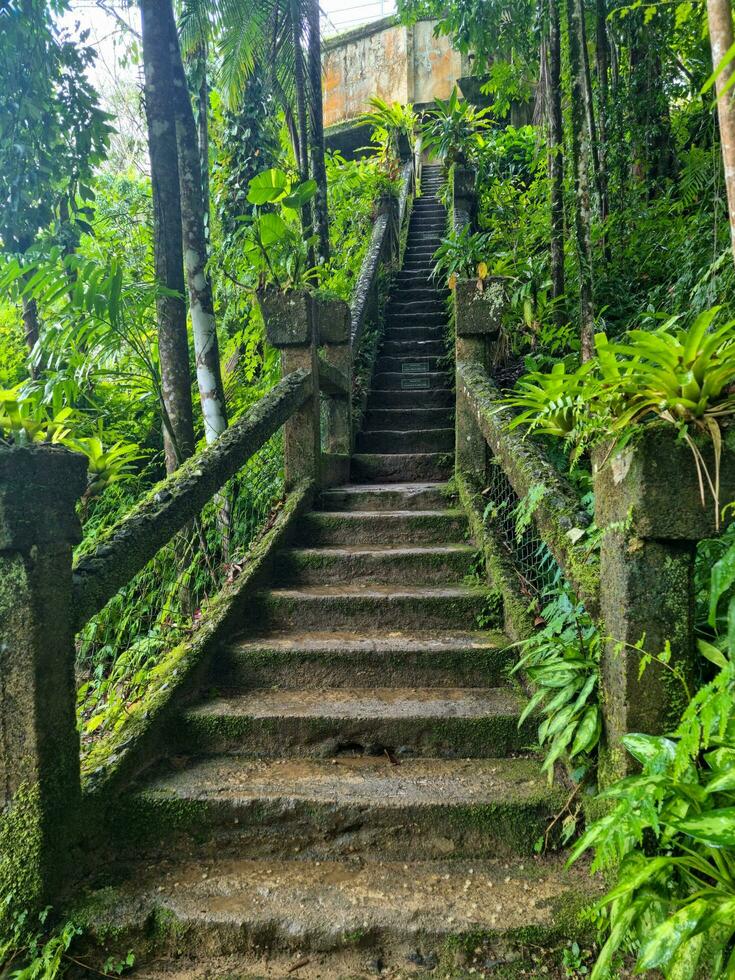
(722, 579)
(588, 731)
(653, 751)
(671, 934)
(272, 229)
(300, 195)
(715, 827)
(268, 187)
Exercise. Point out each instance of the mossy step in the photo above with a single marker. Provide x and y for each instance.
(431, 564)
(367, 603)
(235, 905)
(381, 527)
(407, 496)
(368, 658)
(406, 419)
(400, 467)
(369, 805)
(420, 398)
(445, 723)
(418, 307)
(408, 441)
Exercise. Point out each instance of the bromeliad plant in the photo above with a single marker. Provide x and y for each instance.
(453, 130)
(462, 255)
(685, 377)
(391, 124)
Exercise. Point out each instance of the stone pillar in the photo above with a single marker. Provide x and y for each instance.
(478, 308)
(39, 743)
(648, 503)
(333, 331)
(464, 187)
(289, 326)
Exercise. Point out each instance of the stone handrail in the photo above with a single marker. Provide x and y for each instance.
(131, 543)
(560, 519)
(364, 297)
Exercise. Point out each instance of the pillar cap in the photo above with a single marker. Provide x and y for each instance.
(287, 315)
(653, 485)
(39, 488)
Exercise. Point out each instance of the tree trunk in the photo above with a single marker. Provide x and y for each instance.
(602, 58)
(582, 219)
(203, 134)
(589, 108)
(318, 168)
(201, 305)
(173, 346)
(300, 86)
(556, 155)
(719, 16)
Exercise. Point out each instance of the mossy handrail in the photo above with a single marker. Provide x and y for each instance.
(558, 515)
(136, 538)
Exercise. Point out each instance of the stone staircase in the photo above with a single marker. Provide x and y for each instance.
(354, 797)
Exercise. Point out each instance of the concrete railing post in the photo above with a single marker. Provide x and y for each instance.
(333, 333)
(648, 505)
(289, 324)
(478, 308)
(39, 743)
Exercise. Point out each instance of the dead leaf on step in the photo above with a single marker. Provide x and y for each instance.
(298, 964)
(393, 759)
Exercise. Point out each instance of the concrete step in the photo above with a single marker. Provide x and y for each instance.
(413, 349)
(358, 564)
(445, 723)
(240, 917)
(396, 380)
(408, 441)
(414, 294)
(415, 418)
(399, 467)
(366, 603)
(366, 658)
(402, 307)
(407, 496)
(350, 804)
(404, 328)
(420, 398)
(352, 527)
(388, 363)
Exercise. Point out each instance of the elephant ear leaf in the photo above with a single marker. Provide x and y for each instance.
(268, 187)
(300, 195)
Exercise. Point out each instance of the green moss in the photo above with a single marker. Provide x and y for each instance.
(22, 851)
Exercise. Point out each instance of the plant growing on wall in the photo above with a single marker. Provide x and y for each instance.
(453, 130)
(681, 376)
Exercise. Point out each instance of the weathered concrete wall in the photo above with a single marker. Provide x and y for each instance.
(385, 59)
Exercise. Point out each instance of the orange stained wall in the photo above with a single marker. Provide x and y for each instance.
(396, 63)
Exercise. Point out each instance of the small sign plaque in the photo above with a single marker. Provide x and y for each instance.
(414, 381)
(415, 367)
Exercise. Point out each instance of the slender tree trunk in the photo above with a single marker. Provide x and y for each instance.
(719, 16)
(300, 86)
(203, 134)
(30, 322)
(602, 59)
(556, 155)
(582, 218)
(173, 347)
(201, 305)
(589, 108)
(318, 168)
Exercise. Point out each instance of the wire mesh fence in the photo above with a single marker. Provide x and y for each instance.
(517, 533)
